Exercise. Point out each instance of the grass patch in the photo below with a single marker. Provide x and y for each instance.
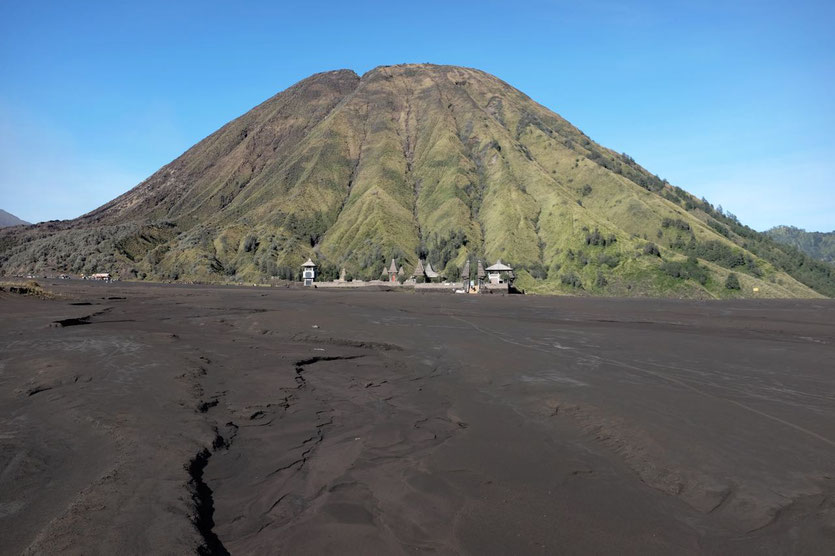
(29, 289)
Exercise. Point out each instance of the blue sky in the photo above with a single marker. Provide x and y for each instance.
(733, 101)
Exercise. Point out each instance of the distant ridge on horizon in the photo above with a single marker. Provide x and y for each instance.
(409, 162)
(8, 219)
(819, 245)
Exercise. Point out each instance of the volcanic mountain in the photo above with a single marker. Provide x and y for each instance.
(8, 219)
(408, 162)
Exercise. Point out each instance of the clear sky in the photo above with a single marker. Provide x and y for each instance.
(731, 100)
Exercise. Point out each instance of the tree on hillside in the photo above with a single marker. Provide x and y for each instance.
(651, 249)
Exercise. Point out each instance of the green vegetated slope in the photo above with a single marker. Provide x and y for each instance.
(818, 245)
(415, 161)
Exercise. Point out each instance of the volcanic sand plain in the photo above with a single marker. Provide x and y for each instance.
(149, 418)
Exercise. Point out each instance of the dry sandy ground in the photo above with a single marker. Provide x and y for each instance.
(174, 419)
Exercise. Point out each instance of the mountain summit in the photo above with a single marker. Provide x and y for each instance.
(409, 162)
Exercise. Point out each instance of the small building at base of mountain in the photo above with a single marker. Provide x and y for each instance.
(499, 273)
(423, 272)
(308, 272)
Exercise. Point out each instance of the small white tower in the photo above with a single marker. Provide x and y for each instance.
(308, 272)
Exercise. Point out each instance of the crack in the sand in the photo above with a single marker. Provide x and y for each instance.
(203, 501)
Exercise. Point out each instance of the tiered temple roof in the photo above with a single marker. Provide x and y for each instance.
(499, 267)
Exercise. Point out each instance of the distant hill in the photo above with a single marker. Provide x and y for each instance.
(7, 219)
(412, 162)
(819, 245)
